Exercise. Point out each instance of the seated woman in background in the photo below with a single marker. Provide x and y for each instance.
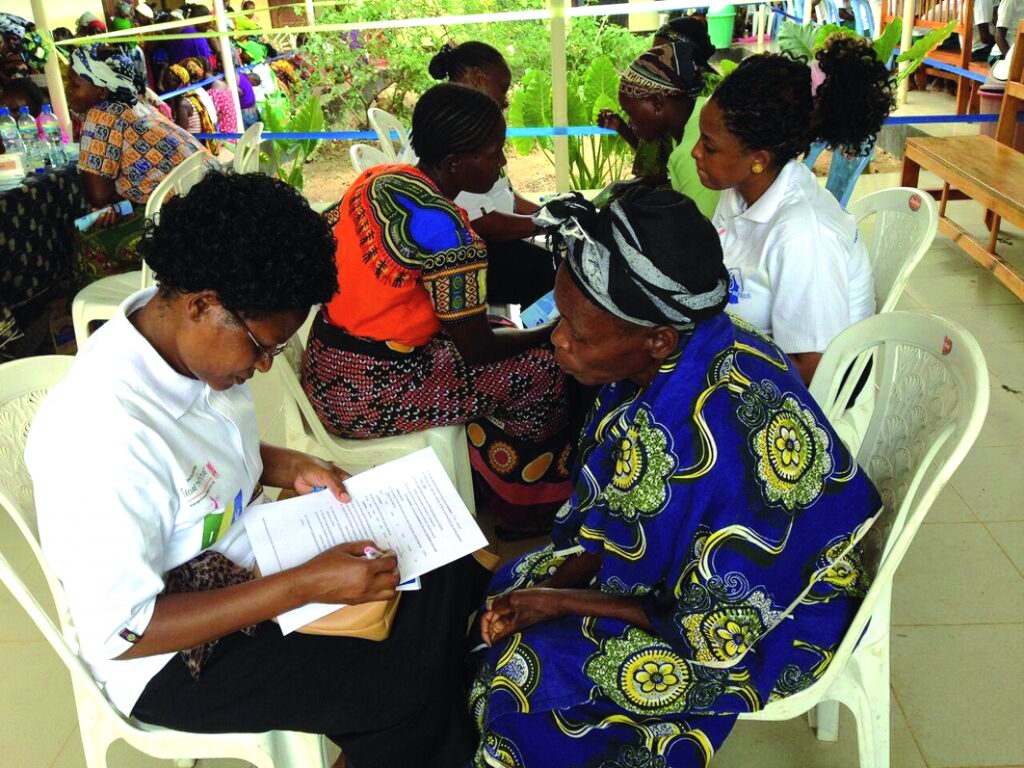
(172, 618)
(710, 558)
(663, 94)
(405, 344)
(127, 149)
(518, 271)
(216, 96)
(191, 108)
(797, 270)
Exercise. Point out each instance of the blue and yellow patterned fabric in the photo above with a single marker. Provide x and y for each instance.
(720, 498)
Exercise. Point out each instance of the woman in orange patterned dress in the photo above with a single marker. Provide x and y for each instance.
(406, 345)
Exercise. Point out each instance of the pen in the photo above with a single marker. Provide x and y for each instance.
(372, 553)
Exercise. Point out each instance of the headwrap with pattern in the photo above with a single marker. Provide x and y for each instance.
(119, 69)
(13, 25)
(666, 69)
(649, 257)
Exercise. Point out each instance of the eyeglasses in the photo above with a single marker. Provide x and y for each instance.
(269, 352)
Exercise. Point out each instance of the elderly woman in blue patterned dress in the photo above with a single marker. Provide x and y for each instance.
(710, 558)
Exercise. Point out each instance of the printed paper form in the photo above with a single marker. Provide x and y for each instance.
(408, 505)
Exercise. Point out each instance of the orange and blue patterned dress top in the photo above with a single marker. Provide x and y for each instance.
(135, 146)
(408, 260)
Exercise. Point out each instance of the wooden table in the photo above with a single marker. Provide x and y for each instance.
(974, 168)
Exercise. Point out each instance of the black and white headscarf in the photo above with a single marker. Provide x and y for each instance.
(650, 257)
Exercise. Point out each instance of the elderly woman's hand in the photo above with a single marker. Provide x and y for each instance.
(518, 610)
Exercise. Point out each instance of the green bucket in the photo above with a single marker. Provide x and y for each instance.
(720, 26)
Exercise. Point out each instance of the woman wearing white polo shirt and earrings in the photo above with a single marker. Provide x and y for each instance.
(145, 455)
(797, 270)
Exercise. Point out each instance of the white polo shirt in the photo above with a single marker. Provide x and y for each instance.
(1010, 14)
(137, 469)
(797, 269)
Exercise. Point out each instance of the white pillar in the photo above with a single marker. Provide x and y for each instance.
(227, 61)
(310, 13)
(909, 6)
(559, 93)
(54, 82)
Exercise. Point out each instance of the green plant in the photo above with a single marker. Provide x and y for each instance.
(287, 157)
(593, 160)
(806, 41)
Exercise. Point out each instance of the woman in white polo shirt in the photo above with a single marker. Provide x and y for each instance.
(146, 454)
(798, 272)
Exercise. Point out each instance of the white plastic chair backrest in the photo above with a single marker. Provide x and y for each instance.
(365, 157)
(299, 414)
(179, 181)
(391, 132)
(898, 226)
(247, 150)
(23, 387)
(931, 400)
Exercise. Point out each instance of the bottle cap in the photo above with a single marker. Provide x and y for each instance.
(5, 112)
(23, 110)
(47, 109)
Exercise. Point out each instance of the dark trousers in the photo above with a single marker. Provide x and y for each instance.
(518, 272)
(396, 703)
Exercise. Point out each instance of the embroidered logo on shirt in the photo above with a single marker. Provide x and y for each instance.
(128, 636)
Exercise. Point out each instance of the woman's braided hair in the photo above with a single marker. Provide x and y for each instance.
(453, 61)
(767, 103)
(452, 119)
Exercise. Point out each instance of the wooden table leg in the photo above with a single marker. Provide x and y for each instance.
(911, 172)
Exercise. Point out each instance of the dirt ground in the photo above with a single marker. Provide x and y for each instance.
(330, 171)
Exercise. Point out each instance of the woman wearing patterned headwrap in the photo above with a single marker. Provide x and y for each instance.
(662, 92)
(191, 110)
(710, 559)
(219, 95)
(127, 149)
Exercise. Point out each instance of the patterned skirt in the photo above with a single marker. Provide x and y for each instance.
(515, 410)
(108, 251)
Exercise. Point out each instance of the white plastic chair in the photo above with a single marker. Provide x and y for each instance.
(364, 157)
(305, 432)
(247, 150)
(23, 386)
(100, 300)
(930, 405)
(390, 132)
(905, 221)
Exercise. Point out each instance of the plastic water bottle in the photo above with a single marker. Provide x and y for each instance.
(9, 133)
(34, 150)
(49, 129)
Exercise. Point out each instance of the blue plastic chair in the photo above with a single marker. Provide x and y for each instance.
(842, 173)
(831, 12)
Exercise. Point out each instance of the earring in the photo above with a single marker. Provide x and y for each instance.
(757, 168)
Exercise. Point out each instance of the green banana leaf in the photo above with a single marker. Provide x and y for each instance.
(920, 50)
(308, 118)
(889, 40)
(601, 79)
(797, 39)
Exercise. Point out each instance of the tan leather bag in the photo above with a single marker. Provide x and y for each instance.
(368, 621)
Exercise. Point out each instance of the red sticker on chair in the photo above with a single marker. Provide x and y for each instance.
(915, 202)
(947, 346)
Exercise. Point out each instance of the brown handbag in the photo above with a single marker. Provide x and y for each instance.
(368, 621)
